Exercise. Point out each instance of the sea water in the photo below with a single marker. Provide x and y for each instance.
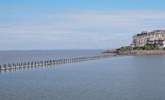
(116, 78)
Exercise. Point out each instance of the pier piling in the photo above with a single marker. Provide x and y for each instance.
(42, 63)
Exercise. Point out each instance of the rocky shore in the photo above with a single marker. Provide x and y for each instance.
(141, 52)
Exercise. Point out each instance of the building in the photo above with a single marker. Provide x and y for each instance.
(156, 38)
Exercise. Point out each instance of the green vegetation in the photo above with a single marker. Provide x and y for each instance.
(146, 47)
(126, 48)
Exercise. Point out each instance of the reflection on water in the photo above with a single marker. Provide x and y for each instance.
(118, 78)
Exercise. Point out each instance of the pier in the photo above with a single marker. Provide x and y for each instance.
(45, 63)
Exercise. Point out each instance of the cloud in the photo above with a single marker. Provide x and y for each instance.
(80, 29)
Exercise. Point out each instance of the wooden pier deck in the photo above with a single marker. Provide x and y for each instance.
(45, 63)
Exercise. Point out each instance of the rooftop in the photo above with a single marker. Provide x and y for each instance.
(152, 32)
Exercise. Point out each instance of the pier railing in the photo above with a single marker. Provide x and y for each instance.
(44, 63)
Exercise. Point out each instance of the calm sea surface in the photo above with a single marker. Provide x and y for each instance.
(117, 78)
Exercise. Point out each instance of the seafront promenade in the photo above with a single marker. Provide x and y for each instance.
(45, 63)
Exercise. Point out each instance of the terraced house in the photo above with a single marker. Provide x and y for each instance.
(156, 37)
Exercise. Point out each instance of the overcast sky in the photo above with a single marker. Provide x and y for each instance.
(76, 24)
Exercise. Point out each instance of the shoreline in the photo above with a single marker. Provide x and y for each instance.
(141, 52)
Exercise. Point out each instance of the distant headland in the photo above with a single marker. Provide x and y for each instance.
(144, 43)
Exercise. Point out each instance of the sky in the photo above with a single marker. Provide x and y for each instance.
(76, 24)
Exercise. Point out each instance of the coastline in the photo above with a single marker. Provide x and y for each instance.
(141, 52)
